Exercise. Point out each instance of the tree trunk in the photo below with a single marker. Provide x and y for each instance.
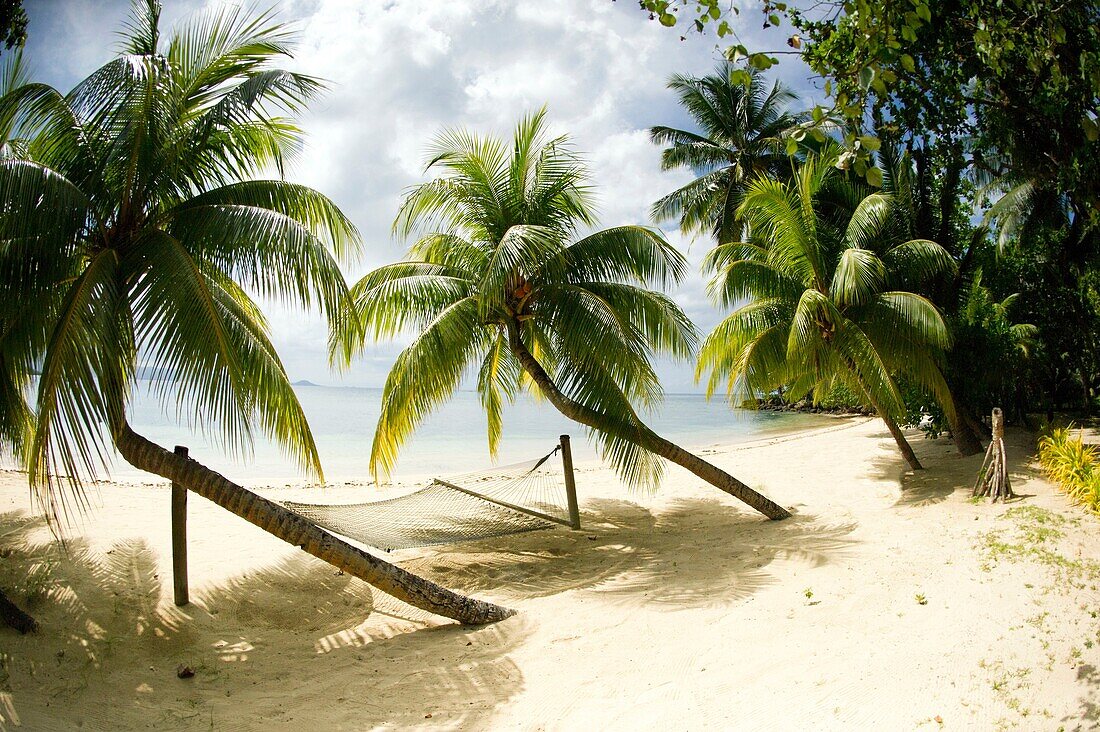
(639, 434)
(12, 615)
(895, 431)
(976, 424)
(966, 440)
(903, 444)
(293, 529)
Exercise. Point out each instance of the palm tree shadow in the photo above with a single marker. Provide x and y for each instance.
(927, 487)
(696, 553)
(319, 644)
(109, 630)
(1089, 677)
(936, 484)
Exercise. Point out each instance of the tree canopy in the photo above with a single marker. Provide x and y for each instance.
(1019, 80)
(134, 218)
(500, 279)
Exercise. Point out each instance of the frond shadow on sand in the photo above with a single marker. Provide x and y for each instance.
(952, 472)
(694, 553)
(110, 630)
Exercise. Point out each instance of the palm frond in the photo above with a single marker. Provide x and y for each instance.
(859, 275)
(424, 376)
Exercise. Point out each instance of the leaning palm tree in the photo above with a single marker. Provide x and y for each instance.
(742, 138)
(132, 220)
(826, 303)
(497, 281)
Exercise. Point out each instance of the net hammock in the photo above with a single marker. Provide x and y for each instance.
(503, 500)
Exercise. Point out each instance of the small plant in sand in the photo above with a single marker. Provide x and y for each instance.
(1034, 535)
(36, 586)
(920, 598)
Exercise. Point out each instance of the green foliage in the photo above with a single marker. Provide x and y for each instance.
(822, 273)
(13, 23)
(1062, 302)
(1019, 78)
(1020, 81)
(922, 410)
(497, 263)
(993, 349)
(1072, 465)
(840, 396)
(745, 134)
(133, 222)
(975, 106)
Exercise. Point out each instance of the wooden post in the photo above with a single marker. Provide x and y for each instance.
(993, 478)
(570, 484)
(179, 538)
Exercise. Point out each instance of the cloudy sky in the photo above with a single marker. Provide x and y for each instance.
(401, 70)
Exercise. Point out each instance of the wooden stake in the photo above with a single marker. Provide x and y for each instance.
(570, 484)
(179, 538)
(993, 478)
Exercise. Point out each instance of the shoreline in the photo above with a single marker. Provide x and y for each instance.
(298, 482)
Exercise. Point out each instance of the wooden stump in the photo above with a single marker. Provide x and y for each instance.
(993, 479)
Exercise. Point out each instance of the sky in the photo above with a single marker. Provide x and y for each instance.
(400, 71)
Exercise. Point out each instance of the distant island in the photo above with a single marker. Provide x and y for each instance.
(303, 382)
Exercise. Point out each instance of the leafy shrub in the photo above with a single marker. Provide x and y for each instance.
(840, 396)
(1072, 465)
(922, 410)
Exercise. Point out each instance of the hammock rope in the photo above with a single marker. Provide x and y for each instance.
(509, 499)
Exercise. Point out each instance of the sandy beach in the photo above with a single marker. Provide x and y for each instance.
(890, 601)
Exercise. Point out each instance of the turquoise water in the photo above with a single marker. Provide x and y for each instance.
(451, 441)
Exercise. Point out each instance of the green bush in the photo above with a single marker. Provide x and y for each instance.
(922, 410)
(840, 396)
(1072, 465)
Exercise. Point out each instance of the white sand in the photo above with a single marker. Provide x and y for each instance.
(678, 611)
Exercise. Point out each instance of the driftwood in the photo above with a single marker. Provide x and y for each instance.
(993, 479)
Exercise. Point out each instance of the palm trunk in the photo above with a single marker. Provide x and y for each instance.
(895, 431)
(13, 616)
(903, 444)
(976, 425)
(966, 440)
(293, 529)
(640, 434)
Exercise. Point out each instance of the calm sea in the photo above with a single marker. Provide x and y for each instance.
(451, 441)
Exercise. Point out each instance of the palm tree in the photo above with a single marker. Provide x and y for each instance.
(742, 138)
(497, 281)
(132, 221)
(826, 298)
(21, 334)
(918, 203)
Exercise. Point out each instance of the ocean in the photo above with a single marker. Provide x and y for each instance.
(453, 440)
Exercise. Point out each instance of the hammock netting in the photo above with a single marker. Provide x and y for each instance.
(465, 507)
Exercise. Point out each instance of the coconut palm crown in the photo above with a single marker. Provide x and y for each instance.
(495, 247)
(741, 137)
(500, 282)
(822, 295)
(132, 223)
